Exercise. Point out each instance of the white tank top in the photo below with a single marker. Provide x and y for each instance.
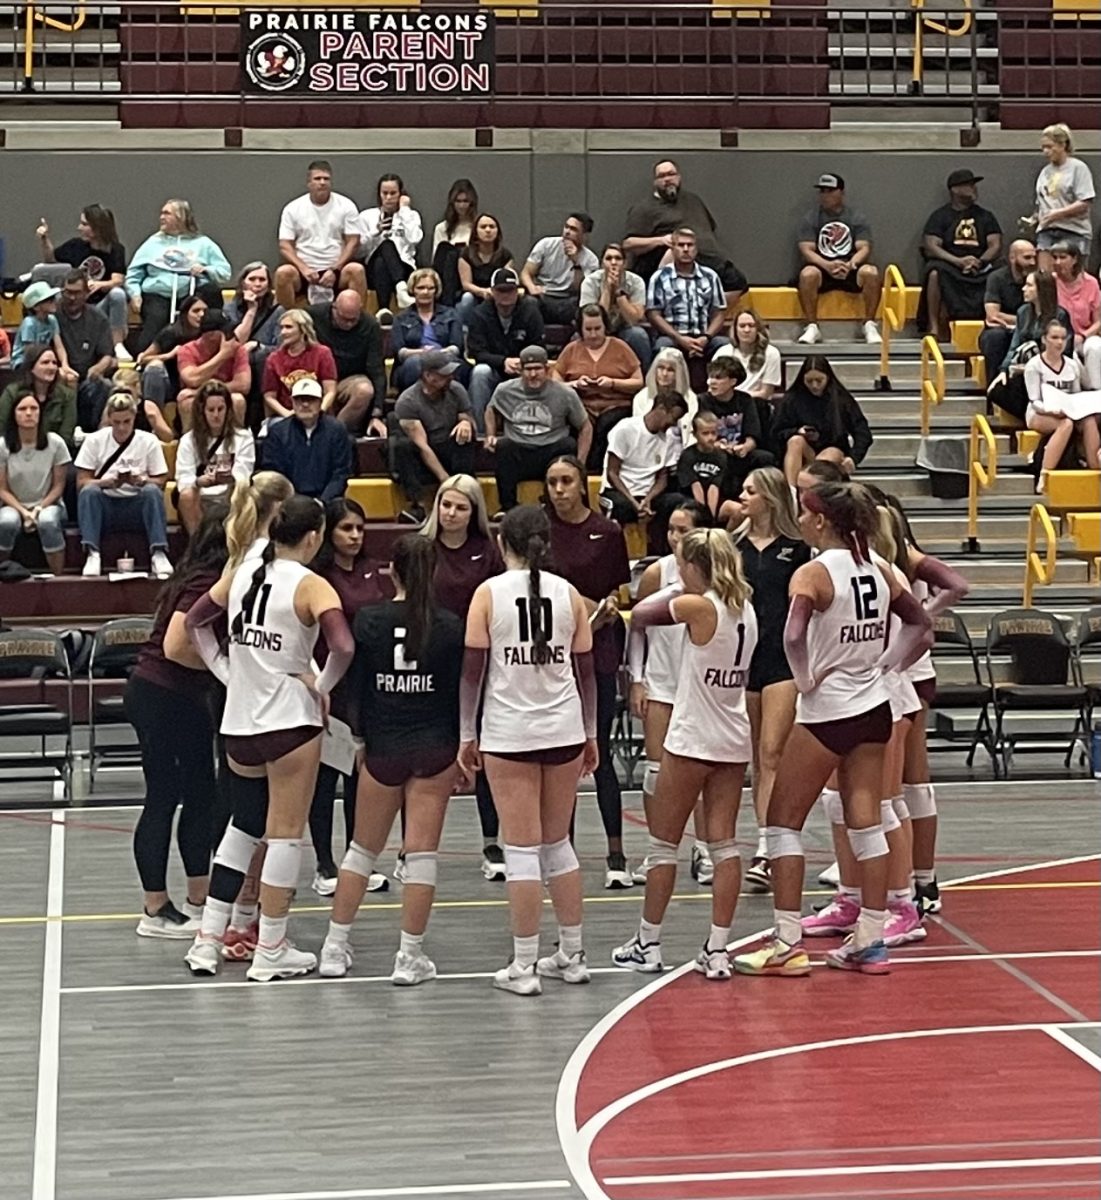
(527, 706)
(709, 720)
(923, 668)
(273, 647)
(844, 642)
(664, 645)
(903, 697)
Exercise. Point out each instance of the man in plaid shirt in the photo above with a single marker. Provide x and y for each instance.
(685, 303)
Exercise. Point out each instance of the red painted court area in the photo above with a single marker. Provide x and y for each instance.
(972, 1070)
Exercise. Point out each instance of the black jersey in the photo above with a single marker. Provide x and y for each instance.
(405, 705)
(770, 571)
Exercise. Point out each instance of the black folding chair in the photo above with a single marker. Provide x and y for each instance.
(30, 660)
(951, 640)
(1087, 665)
(115, 650)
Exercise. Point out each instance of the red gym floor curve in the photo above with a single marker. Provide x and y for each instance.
(956, 1075)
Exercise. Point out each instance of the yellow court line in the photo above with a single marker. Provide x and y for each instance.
(625, 897)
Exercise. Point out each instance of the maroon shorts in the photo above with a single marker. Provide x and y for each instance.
(395, 770)
(552, 756)
(926, 689)
(843, 736)
(258, 749)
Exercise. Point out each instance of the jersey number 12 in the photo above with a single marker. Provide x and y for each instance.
(864, 598)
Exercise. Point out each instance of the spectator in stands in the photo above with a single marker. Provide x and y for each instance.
(40, 377)
(1080, 297)
(555, 268)
(701, 469)
(214, 354)
(214, 453)
(40, 326)
(435, 435)
(159, 361)
(147, 415)
(483, 255)
(120, 472)
(818, 418)
(1054, 370)
(311, 449)
(425, 325)
(642, 454)
(685, 303)
(960, 243)
(318, 239)
(752, 347)
(5, 350)
(668, 373)
(451, 236)
(604, 372)
(174, 262)
(1003, 297)
(539, 419)
(500, 328)
(33, 466)
(86, 336)
(622, 295)
(741, 435)
(97, 251)
(355, 339)
(254, 315)
(1064, 197)
(670, 207)
(299, 356)
(389, 235)
(1041, 307)
(835, 243)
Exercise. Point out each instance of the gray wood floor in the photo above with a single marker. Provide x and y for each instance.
(204, 1089)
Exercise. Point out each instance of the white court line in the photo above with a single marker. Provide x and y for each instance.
(447, 1189)
(49, 1028)
(1073, 1045)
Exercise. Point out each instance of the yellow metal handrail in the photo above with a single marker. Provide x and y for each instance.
(980, 475)
(32, 16)
(1039, 570)
(921, 25)
(894, 317)
(932, 388)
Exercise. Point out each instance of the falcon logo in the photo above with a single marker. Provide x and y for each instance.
(835, 240)
(275, 62)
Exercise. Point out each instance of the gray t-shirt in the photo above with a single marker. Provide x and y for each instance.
(538, 418)
(438, 416)
(1058, 187)
(30, 471)
(834, 234)
(554, 269)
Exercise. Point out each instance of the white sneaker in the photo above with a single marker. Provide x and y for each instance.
(521, 980)
(377, 882)
(810, 336)
(92, 564)
(635, 956)
(493, 862)
(871, 333)
(411, 969)
(280, 962)
(122, 355)
(168, 922)
(617, 876)
(399, 872)
(639, 873)
(703, 869)
(205, 955)
(324, 885)
(570, 968)
(831, 876)
(160, 564)
(402, 295)
(385, 317)
(335, 960)
(714, 964)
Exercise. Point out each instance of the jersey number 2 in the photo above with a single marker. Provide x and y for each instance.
(534, 614)
(263, 596)
(864, 598)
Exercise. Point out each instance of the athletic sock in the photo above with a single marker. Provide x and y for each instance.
(849, 893)
(647, 933)
(525, 950)
(718, 938)
(338, 934)
(899, 896)
(789, 926)
(411, 943)
(569, 939)
(243, 916)
(869, 927)
(215, 918)
(924, 877)
(273, 932)
(762, 844)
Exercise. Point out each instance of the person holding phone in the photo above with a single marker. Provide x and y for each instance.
(212, 454)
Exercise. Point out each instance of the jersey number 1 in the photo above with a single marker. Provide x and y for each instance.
(534, 614)
(864, 598)
(263, 595)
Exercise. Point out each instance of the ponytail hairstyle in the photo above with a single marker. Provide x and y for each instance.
(299, 516)
(526, 532)
(413, 559)
(851, 512)
(772, 485)
(702, 516)
(825, 471)
(253, 504)
(713, 553)
(205, 555)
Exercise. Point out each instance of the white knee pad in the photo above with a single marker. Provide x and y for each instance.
(661, 854)
(921, 798)
(559, 858)
(359, 861)
(832, 806)
(282, 862)
(888, 818)
(235, 850)
(522, 864)
(868, 843)
(723, 851)
(902, 809)
(783, 842)
(650, 777)
(420, 867)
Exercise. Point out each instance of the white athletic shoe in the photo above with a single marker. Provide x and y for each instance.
(205, 955)
(411, 969)
(715, 964)
(830, 877)
(122, 354)
(160, 565)
(92, 564)
(810, 336)
(634, 956)
(284, 961)
(871, 333)
(521, 980)
(493, 862)
(399, 871)
(324, 885)
(570, 968)
(639, 873)
(377, 882)
(169, 922)
(617, 876)
(703, 869)
(335, 960)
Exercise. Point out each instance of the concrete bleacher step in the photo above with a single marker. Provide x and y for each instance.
(951, 527)
(985, 570)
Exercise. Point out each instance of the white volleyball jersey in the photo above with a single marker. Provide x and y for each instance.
(844, 643)
(923, 668)
(709, 720)
(530, 706)
(664, 645)
(903, 697)
(272, 647)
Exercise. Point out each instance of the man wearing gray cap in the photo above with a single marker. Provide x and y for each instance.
(530, 422)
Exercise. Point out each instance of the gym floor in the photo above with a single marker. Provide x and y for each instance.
(126, 1079)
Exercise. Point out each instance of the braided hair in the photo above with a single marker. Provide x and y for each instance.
(526, 532)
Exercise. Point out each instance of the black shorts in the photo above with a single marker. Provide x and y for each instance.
(258, 749)
(926, 689)
(395, 770)
(843, 736)
(827, 283)
(767, 666)
(551, 756)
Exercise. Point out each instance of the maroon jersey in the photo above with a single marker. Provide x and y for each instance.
(459, 571)
(155, 668)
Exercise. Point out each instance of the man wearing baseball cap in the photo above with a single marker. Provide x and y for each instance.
(960, 243)
(835, 244)
(39, 325)
(312, 449)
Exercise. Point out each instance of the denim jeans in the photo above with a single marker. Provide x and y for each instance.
(97, 513)
(483, 379)
(115, 306)
(51, 533)
(639, 340)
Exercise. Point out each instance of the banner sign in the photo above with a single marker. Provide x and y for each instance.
(425, 53)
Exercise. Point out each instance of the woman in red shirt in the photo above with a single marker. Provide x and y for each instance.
(299, 356)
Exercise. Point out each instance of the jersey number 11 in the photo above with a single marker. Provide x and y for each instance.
(263, 595)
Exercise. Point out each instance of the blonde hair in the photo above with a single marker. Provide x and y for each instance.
(889, 541)
(183, 214)
(713, 552)
(126, 378)
(771, 483)
(424, 273)
(675, 358)
(469, 487)
(1060, 133)
(253, 504)
(304, 321)
(120, 402)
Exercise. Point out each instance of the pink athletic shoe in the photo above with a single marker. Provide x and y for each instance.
(903, 924)
(240, 944)
(838, 917)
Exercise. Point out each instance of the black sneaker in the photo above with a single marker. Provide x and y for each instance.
(927, 898)
(167, 922)
(414, 514)
(617, 876)
(493, 861)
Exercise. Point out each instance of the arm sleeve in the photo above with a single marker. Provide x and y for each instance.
(795, 641)
(948, 586)
(338, 638)
(914, 638)
(475, 660)
(636, 653)
(585, 674)
(656, 609)
(200, 628)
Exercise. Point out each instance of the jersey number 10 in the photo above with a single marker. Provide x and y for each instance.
(534, 614)
(864, 598)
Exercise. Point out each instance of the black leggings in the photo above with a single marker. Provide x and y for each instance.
(487, 810)
(249, 798)
(607, 782)
(321, 814)
(385, 270)
(177, 759)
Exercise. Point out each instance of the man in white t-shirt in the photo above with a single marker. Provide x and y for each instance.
(120, 474)
(318, 239)
(556, 267)
(642, 451)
